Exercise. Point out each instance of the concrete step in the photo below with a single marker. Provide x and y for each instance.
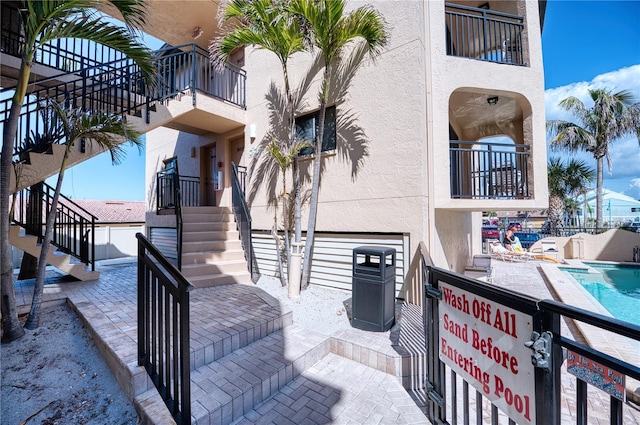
(220, 267)
(57, 259)
(206, 281)
(223, 391)
(207, 218)
(212, 257)
(342, 391)
(220, 226)
(210, 246)
(205, 210)
(210, 236)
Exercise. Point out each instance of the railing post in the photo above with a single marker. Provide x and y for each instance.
(548, 392)
(93, 243)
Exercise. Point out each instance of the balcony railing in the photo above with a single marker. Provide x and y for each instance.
(189, 66)
(484, 34)
(481, 170)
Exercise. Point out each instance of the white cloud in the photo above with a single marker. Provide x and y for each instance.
(634, 188)
(625, 153)
(622, 79)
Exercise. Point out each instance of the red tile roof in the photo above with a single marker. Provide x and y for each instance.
(114, 211)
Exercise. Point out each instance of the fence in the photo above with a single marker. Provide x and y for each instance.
(509, 348)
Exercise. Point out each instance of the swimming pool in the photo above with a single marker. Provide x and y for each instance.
(616, 287)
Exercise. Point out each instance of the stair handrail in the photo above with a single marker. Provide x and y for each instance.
(74, 226)
(242, 215)
(118, 87)
(172, 202)
(164, 328)
(92, 90)
(178, 197)
(70, 54)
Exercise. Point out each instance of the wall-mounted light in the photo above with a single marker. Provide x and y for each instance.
(252, 132)
(492, 100)
(197, 32)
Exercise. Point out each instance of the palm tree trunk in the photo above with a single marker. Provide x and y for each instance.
(34, 315)
(599, 167)
(315, 183)
(10, 322)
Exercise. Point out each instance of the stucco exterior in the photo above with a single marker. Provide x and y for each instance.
(391, 170)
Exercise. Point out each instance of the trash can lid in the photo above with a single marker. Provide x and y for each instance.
(374, 250)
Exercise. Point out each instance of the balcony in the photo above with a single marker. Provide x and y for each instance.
(481, 170)
(482, 34)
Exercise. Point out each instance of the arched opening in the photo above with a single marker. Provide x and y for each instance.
(489, 155)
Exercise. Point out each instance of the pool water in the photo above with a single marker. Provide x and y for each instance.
(616, 287)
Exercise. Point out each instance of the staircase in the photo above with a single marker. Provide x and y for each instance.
(251, 364)
(61, 261)
(211, 250)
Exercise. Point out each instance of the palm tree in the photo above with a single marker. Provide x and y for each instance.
(332, 31)
(265, 24)
(284, 157)
(42, 22)
(108, 132)
(611, 117)
(565, 180)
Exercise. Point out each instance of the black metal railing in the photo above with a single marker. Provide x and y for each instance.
(242, 213)
(65, 54)
(118, 87)
(73, 229)
(509, 348)
(163, 328)
(114, 88)
(484, 34)
(481, 170)
(173, 192)
(166, 190)
(189, 67)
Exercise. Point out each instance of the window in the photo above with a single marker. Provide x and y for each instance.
(307, 128)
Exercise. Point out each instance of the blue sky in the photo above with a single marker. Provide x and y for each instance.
(595, 44)
(586, 44)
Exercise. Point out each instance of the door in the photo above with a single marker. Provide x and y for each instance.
(210, 171)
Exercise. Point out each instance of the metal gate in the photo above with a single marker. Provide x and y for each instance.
(509, 349)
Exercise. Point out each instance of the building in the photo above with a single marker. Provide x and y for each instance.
(448, 122)
(617, 209)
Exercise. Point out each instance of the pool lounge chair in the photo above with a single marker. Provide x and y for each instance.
(499, 252)
(518, 249)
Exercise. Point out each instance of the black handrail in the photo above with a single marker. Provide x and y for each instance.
(73, 229)
(242, 214)
(170, 186)
(118, 87)
(482, 34)
(164, 329)
(65, 54)
(481, 170)
(114, 88)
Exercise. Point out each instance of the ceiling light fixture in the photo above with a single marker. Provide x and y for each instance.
(492, 100)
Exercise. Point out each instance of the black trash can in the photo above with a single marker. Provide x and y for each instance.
(374, 280)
